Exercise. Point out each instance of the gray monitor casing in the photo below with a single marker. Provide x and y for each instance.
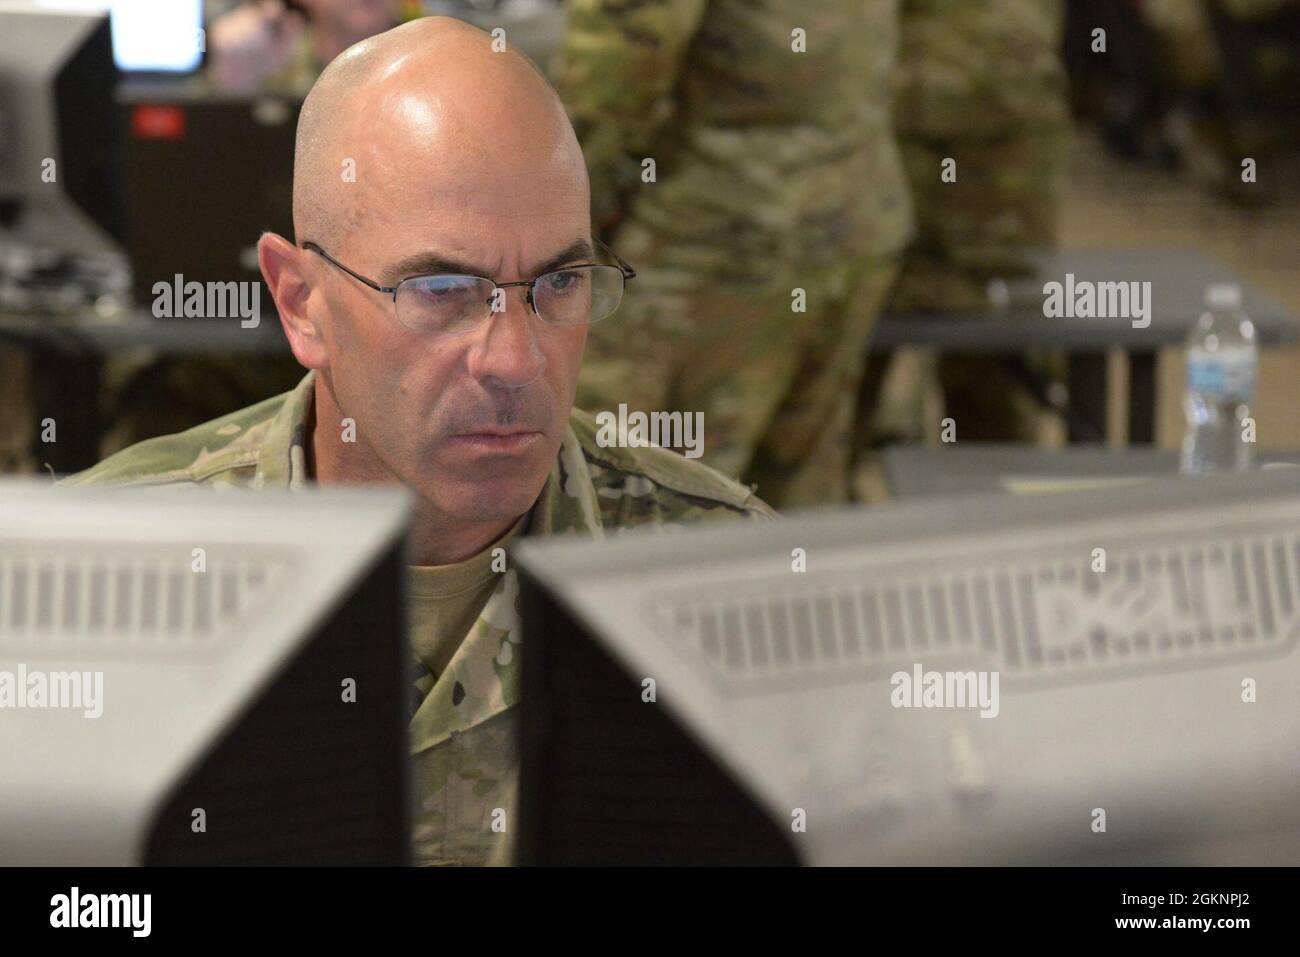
(222, 685)
(1120, 692)
(36, 46)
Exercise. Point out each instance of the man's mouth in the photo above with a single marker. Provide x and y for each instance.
(500, 441)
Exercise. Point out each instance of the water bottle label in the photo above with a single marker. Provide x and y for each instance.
(1222, 374)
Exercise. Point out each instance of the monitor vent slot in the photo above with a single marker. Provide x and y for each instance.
(1197, 603)
(162, 598)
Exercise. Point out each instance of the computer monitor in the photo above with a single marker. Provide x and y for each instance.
(58, 186)
(158, 36)
(764, 691)
(189, 677)
(237, 154)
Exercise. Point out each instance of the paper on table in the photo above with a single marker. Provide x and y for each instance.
(1029, 484)
(1032, 485)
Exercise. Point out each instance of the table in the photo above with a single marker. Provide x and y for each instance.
(1178, 280)
(919, 472)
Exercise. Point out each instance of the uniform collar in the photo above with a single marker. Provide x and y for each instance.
(282, 455)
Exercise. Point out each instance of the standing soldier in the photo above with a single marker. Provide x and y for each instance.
(1226, 72)
(983, 124)
(743, 153)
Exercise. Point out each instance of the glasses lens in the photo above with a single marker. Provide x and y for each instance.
(573, 297)
(443, 304)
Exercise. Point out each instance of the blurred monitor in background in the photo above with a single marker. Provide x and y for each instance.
(58, 195)
(158, 35)
(206, 227)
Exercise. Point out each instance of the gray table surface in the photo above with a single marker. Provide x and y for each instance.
(136, 329)
(915, 472)
(1178, 280)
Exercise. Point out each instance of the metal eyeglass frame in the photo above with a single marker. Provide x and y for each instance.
(627, 271)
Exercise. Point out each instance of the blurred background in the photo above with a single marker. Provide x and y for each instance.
(918, 175)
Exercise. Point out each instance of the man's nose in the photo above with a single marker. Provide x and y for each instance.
(508, 352)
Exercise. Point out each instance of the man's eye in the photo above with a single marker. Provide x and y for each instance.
(564, 281)
(448, 289)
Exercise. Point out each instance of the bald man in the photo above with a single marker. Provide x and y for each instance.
(429, 169)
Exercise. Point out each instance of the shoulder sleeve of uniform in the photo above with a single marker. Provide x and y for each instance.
(650, 485)
(218, 450)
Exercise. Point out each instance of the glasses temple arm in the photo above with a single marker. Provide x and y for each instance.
(391, 290)
(628, 271)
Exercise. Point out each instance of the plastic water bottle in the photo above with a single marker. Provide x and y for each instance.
(1221, 363)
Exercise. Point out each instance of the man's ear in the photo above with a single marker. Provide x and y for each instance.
(285, 268)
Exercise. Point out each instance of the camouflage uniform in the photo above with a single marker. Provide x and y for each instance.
(17, 438)
(775, 171)
(463, 733)
(1187, 52)
(981, 82)
(1224, 78)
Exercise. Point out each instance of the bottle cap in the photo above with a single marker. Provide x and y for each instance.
(999, 294)
(1223, 295)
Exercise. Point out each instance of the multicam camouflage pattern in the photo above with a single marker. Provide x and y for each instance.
(1254, 9)
(981, 82)
(1185, 48)
(775, 171)
(1185, 54)
(465, 761)
(1224, 72)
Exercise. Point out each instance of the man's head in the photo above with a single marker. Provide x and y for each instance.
(417, 146)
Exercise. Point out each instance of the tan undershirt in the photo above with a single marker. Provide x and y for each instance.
(445, 600)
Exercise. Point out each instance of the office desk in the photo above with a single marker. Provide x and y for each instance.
(916, 472)
(1178, 280)
(68, 359)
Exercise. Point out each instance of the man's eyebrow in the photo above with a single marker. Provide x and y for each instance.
(431, 263)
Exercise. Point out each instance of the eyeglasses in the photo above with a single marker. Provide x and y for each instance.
(445, 304)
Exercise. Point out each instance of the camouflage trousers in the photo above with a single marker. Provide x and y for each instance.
(777, 385)
(989, 404)
(1005, 202)
(17, 438)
